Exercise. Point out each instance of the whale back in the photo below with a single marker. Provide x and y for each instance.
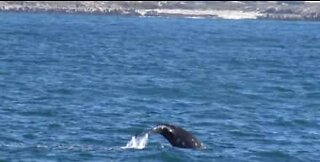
(178, 136)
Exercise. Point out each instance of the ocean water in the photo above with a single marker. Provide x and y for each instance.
(78, 87)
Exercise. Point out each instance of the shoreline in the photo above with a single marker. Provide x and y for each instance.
(142, 16)
(269, 12)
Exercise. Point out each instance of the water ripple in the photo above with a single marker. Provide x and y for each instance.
(77, 87)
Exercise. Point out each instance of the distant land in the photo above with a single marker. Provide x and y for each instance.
(279, 10)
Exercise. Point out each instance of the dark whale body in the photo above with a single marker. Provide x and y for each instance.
(177, 136)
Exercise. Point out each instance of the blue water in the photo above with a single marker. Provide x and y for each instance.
(78, 87)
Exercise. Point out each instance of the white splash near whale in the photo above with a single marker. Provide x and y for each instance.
(138, 142)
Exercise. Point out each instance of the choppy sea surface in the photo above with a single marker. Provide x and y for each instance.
(78, 87)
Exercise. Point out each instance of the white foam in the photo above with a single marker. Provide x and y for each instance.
(224, 14)
(137, 142)
(195, 17)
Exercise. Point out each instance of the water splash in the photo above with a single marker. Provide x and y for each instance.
(138, 142)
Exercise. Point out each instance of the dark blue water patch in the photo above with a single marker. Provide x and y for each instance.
(276, 155)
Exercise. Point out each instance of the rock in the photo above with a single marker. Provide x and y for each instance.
(281, 10)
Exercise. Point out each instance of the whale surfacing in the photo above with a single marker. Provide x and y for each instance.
(177, 136)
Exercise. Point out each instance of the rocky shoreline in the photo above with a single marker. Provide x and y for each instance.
(280, 10)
